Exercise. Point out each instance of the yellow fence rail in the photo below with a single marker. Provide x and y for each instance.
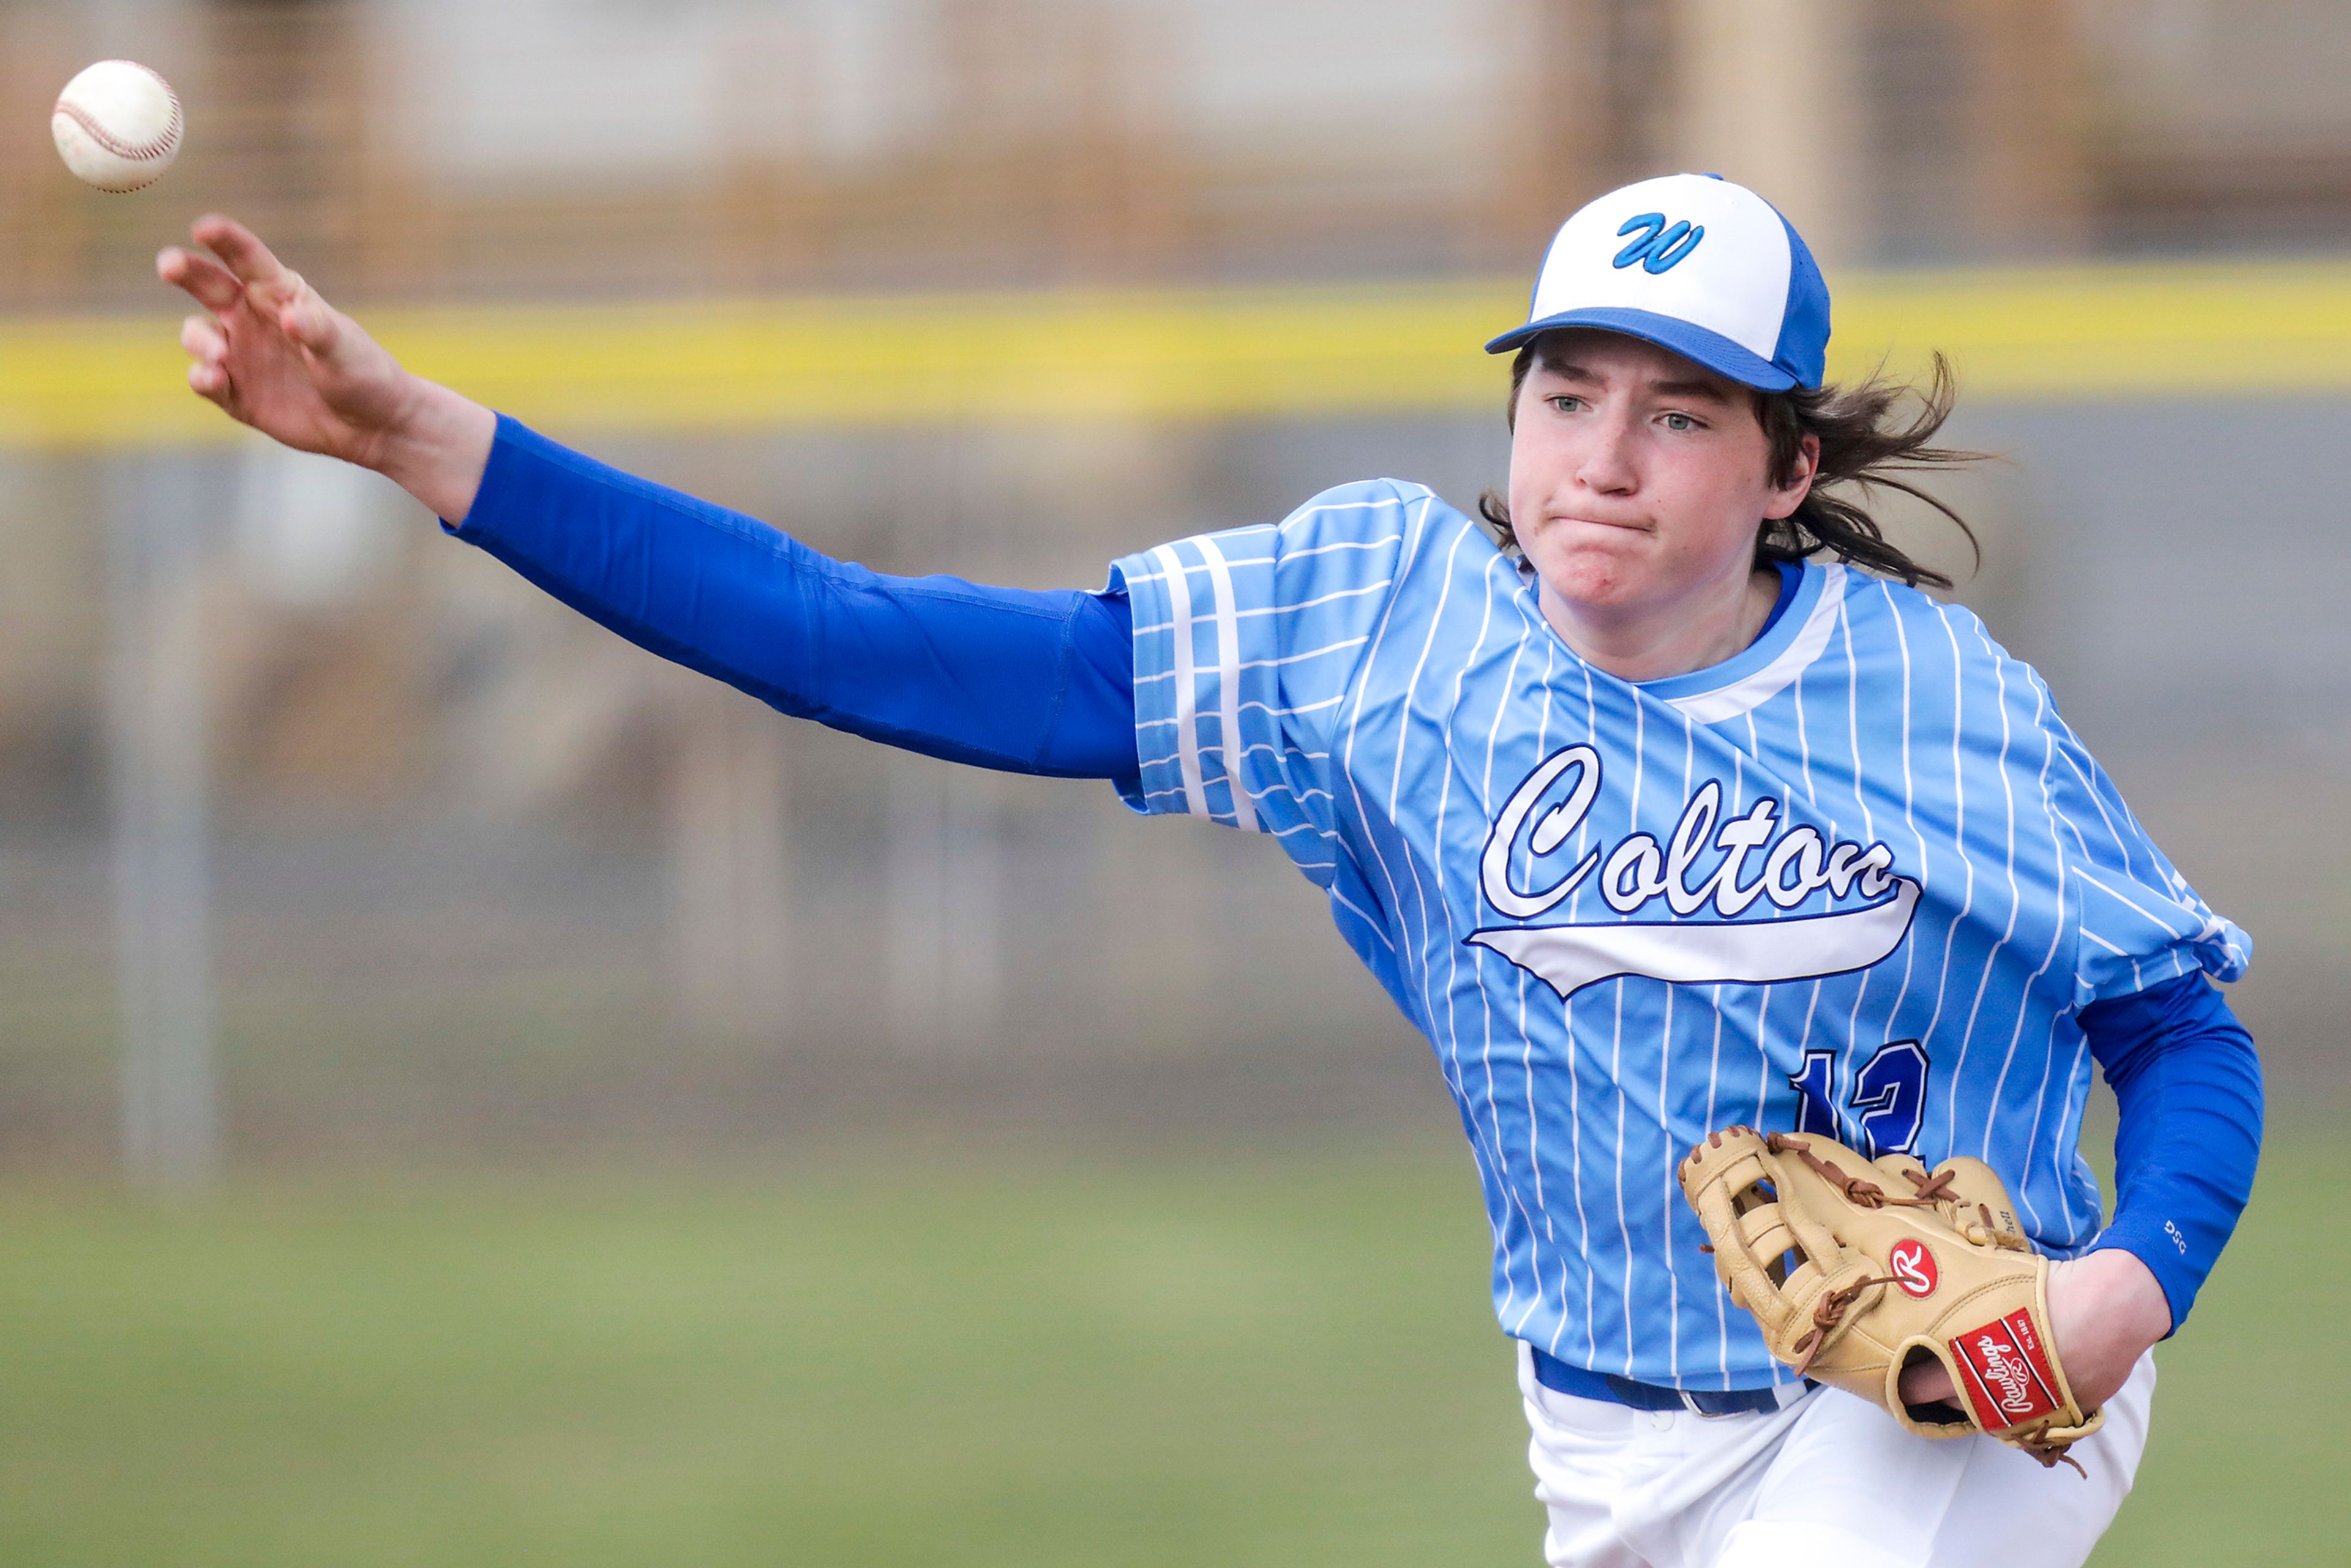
(2088, 333)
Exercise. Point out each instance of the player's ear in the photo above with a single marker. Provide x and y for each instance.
(1792, 483)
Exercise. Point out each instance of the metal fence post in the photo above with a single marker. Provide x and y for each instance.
(161, 521)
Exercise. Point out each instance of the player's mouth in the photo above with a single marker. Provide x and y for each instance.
(1627, 526)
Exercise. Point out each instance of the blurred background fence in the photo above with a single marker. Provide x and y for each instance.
(1005, 289)
(328, 844)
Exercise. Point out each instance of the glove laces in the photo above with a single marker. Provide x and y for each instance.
(1860, 1192)
(1828, 1313)
(2035, 1440)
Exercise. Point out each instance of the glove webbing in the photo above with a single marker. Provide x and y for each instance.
(1863, 1194)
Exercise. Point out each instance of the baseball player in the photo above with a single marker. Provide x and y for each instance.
(1677, 806)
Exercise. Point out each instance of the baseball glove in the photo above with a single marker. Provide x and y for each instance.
(1856, 1269)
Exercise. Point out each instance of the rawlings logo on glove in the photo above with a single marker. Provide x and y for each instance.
(2010, 1380)
(1856, 1269)
(1913, 1267)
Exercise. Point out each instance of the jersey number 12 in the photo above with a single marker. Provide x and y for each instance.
(1889, 1097)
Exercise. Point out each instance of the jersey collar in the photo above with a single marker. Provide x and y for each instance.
(1768, 666)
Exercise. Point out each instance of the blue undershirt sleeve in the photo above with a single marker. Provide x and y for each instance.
(1026, 682)
(2188, 1088)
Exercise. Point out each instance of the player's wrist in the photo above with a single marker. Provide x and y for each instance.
(2106, 1311)
(435, 445)
(2130, 1288)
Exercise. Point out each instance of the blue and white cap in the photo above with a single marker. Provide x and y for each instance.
(1697, 264)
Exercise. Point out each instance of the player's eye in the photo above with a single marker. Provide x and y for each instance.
(1680, 422)
(1566, 402)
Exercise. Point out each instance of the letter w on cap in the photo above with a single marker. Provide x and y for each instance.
(1659, 247)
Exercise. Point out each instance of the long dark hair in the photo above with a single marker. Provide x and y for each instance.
(1865, 444)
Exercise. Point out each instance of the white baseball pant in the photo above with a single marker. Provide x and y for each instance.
(1827, 1478)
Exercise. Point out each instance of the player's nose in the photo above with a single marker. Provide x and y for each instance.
(1607, 462)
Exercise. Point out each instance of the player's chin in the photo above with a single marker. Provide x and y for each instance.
(1607, 568)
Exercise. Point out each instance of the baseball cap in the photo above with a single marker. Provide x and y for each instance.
(1695, 264)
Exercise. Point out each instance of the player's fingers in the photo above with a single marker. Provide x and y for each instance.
(212, 286)
(1927, 1384)
(210, 378)
(202, 338)
(238, 249)
(310, 321)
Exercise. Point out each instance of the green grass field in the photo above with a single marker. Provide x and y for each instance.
(1233, 1360)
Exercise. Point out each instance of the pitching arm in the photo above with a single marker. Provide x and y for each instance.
(1026, 682)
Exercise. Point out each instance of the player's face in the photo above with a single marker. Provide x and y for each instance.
(1638, 479)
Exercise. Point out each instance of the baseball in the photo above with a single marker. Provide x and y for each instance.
(117, 125)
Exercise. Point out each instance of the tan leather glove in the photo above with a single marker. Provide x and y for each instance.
(1854, 1269)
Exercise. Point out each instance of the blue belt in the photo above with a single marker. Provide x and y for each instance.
(1559, 1376)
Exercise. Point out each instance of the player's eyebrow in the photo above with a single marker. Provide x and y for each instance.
(1703, 391)
(1567, 369)
(1688, 389)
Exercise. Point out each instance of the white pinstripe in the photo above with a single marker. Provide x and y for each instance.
(1670, 1205)
(1616, 1050)
(1370, 924)
(2056, 937)
(1347, 754)
(1574, 1075)
(1228, 683)
(1967, 861)
(2015, 907)
(1188, 738)
(1382, 586)
(1868, 819)
(1333, 547)
(1482, 958)
(2184, 928)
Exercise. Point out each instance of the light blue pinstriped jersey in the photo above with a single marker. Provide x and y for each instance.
(1859, 877)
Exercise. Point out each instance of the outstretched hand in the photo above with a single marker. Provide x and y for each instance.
(2106, 1311)
(274, 355)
